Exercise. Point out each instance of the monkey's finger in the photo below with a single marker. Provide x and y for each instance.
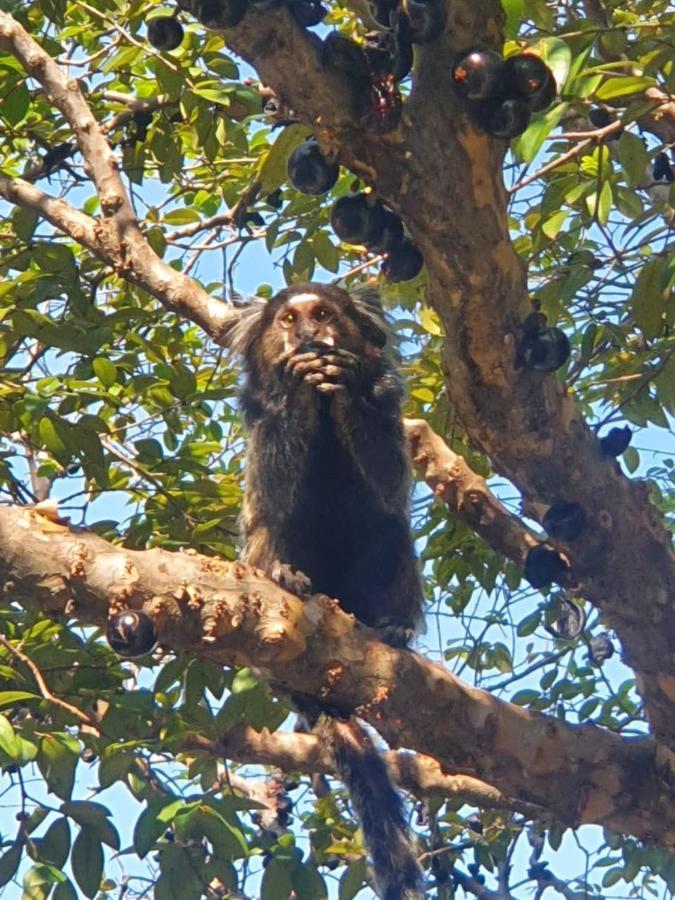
(347, 357)
(303, 366)
(313, 378)
(328, 387)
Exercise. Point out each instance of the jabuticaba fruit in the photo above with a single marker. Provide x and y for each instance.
(477, 74)
(165, 33)
(219, 13)
(355, 220)
(545, 351)
(503, 119)
(307, 13)
(389, 233)
(615, 441)
(131, 633)
(529, 78)
(543, 566)
(403, 263)
(309, 171)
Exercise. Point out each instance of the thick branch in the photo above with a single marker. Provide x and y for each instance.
(466, 493)
(419, 775)
(237, 617)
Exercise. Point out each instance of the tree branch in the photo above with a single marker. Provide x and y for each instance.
(235, 616)
(466, 493)
(419, 775)
(115, 237)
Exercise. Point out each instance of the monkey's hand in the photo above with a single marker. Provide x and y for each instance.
(290, 579)
(329, 371)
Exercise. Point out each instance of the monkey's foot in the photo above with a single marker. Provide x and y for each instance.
(290, 579)
(395, 634)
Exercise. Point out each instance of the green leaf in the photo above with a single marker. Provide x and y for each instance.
(633, 157)
(58, 758)
(272, 167)
(54, 847)
(619, 86)
(9, 863)
(647, 299)
(277, 883)
(12, 698)
(93, 817)
(529, 624)
(51, 438)
(184, 216)
(557, 55)
(87, 862)
(514, 10)
(64, 891)
(105, 371)
(353, 879)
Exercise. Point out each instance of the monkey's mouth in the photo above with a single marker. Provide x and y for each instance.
(316, 347)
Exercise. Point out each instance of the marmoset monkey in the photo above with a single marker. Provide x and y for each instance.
(327, 493)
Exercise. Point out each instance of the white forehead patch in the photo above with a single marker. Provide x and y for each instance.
(303, 298)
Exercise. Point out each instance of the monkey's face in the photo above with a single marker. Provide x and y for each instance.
(311, 322)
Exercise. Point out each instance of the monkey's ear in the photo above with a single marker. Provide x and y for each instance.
(373, 323)
(244, 333)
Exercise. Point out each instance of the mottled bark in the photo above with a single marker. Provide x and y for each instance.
(235, 616)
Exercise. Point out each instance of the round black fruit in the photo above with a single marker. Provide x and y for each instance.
(505, 119)
(307, 13)
(354, 220)
(477, 74)
(546, 351)
(131, 633)
(165, 33)
(615, 441)
(528, 77)
(309, 171)
(219, 13)
(403, 263)
(389, 233)
(543, 566)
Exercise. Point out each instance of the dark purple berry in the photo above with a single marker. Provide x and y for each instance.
(219, 13)
(564, 521)
(543, 566)
(529, 78)
(131, 633)
(165, 33)
(599, 117)
(309, 171)
(505, 119)
(307, 13)
(477, 74)
(354, 220)
(389, 233)
(403, 263)
(662, 169)
(545, 351)
(615, 441)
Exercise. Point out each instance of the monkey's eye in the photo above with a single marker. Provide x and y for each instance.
(288, 318)
(322, 314)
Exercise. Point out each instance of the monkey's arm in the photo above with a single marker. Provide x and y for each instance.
(368, 417)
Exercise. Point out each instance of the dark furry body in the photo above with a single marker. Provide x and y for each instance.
(327, 493)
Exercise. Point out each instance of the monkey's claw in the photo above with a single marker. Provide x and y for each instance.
(290, 579)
